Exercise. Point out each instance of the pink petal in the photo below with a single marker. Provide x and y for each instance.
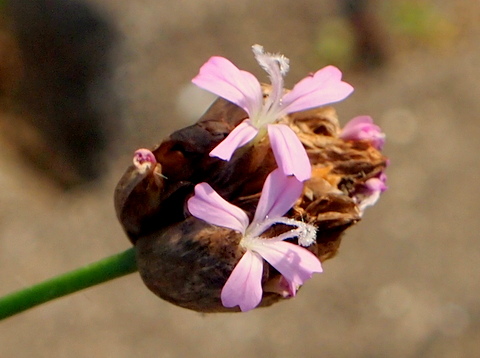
(369, 201)
(207, 205)
(363, 128)
(244, 286)
(221, 77)
(295, 263)
(377, 184)
(371, 192)
(359, 120)
(352, 130)
(240, 135)
(319, 89)
(289, 152)
(279, 193)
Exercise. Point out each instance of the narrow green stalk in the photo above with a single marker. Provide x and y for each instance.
(98, 272)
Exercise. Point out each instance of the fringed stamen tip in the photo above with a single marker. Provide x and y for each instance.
(308, 235)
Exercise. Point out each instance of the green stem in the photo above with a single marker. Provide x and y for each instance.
(98, 272)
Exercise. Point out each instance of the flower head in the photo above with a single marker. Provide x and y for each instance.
(221, 77)
(363, 128)
(295, 264)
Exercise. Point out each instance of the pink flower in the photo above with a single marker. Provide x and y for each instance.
(221, 77)
(369, 194)
(295, 263)
(363, 128)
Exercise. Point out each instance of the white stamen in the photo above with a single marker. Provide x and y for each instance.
(305, 233)
(266, 60)
(276, 66)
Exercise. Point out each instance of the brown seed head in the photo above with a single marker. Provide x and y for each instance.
(187, 261)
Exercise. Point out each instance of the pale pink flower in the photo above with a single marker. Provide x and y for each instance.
(369, 194)
(295, 263)
(221, 77)
(363, 128)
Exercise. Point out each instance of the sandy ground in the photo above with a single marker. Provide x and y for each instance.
(406, 282)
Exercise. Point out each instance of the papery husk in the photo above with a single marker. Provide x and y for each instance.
(186, 261)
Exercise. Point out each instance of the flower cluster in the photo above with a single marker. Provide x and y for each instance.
(283, 186)
(362, 128)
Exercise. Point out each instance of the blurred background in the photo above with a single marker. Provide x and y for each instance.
(84, 83)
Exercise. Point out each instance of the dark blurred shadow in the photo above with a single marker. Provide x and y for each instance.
(370, 48)
(65, 49)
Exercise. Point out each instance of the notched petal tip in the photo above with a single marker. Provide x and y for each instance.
(295, 263)
(243, 288)
(323, 87)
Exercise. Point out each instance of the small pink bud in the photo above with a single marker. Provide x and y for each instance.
(363, 128)
(144, 158)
